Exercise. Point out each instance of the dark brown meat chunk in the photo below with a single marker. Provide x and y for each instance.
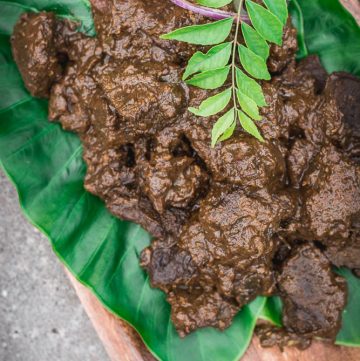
(172, 177)
(297, 111)
(271, 336)
(313, 295)
(112, 176)
(331, 193)
(345, 88)
(70, 97)
(242, 160)
(143, 100)
(35, 53)
(299, 159)
(228, 248)
(128, 29)
(312, 66)
(229, 219)
(281, 56)
(202, 309)
(346, 254)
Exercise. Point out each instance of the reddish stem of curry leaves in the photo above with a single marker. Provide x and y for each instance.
(215, 14)
(233, 65)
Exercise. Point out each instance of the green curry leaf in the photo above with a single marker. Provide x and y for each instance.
(248, 105)
(213, 105)
(217, 57)
(249, 126)
(255, 42)
(211, 70)
(214, 3)
(210, 79)
(222, 125)
(266, 23)
(250, 87)
(207, 34)
(278, 8)
(229, 132)
(253, 63)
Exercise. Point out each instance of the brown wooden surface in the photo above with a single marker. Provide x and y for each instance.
(123, 343)
(354, 7)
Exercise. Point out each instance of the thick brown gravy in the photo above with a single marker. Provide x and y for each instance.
(231, 223)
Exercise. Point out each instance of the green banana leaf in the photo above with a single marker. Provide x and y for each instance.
(325, 28)
(272, 311)
(349, 334)
(45, 164)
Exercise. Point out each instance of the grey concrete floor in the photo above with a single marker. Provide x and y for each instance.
(41, 318)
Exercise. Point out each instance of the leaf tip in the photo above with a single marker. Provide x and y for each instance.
(279, 42)
(193, 110)
(267, 76)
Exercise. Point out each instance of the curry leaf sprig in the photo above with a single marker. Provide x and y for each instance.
(244, 58)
